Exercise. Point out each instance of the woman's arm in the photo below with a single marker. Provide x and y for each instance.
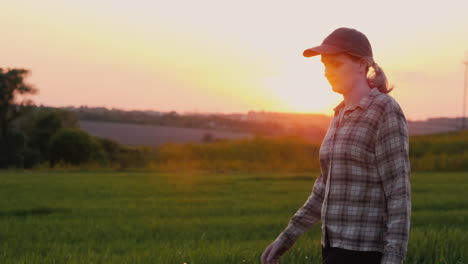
(303, 219)
(306, 216)
(393, 166)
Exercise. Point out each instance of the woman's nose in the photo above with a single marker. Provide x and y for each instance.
(327, 74)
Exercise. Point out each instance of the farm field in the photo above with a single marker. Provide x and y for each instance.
(194, 218)
(153, 135)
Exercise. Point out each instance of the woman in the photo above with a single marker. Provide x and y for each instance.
(362, 196)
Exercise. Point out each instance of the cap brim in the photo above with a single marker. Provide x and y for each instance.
(322, 49)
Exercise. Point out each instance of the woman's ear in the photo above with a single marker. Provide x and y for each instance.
(362, 66)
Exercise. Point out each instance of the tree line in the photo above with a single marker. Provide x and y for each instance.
(30, 136)
(273, 124)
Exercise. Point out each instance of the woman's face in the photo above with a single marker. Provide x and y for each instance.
(342, 72)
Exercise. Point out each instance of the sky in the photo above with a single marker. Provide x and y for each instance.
(210, 56)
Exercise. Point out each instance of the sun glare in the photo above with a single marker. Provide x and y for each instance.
(303, 90)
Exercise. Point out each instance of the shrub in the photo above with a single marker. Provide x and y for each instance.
(12, 149)
(75, 147)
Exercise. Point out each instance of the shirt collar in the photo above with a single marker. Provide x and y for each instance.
(364, 103)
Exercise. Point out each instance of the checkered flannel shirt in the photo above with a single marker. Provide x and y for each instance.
(362, 196)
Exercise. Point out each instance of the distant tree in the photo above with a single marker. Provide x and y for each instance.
(11, 85)
(112, 149)
(39, 125)
(46, 125)
(13, 142)
(75, 147)
(207, 137)
(12, 149)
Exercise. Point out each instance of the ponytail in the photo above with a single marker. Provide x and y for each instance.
(377, 78)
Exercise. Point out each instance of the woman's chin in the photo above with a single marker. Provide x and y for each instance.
(337, 89)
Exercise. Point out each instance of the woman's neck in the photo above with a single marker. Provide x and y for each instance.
(354, 96)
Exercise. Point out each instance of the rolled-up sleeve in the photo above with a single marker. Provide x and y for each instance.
(392, 159)
(306, 216)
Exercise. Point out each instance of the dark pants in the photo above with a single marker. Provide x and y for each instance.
(331, 255)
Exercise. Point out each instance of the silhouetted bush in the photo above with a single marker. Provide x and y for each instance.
(46, 124)
(39, 125)
(12, 149)
(75, 147)
(112, 149)
(32, 157)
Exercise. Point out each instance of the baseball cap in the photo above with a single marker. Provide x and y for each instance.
(343, 39)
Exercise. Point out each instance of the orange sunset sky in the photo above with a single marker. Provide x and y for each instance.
(230, 56)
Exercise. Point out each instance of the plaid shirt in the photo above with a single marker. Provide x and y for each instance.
(362, 195)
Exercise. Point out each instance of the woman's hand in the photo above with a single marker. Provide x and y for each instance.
(272, 253)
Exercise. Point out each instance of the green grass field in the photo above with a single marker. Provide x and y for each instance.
(105, 217)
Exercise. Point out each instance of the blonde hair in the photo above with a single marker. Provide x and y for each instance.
(375, 77)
